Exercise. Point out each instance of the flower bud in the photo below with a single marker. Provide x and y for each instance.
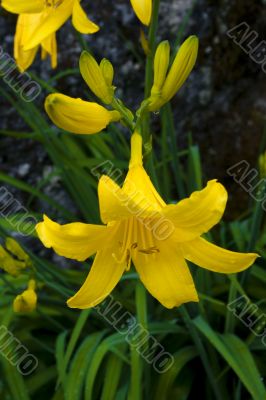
(161, 63)
(93, 76)
(78, 116)
(107, 71)
(26, 301)
(183, 63)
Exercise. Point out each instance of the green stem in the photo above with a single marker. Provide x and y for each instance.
(230, 318)
(149, 65)
(123, 111)
(137, 366)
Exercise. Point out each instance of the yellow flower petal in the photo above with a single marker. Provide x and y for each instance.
(80, 20)
(26, 24)
(137, 197)
(52, 21)
(49, 47)
(104, 275)
(199, 213)
(143, 9)
(21, 7)
(78, 116)
(76, 240)
(164, 273)
(207, 255)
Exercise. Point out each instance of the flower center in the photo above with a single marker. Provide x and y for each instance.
(135, 237)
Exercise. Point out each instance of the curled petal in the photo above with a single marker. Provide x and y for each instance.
(23, 7)
(143, 9)
(78, 116)
(76, 240)
(81, 22)
(199, 213)
(214, 258)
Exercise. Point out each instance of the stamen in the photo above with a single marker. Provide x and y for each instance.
(53, 3)
(151, 250)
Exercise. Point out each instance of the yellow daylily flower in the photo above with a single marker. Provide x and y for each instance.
(165, 84)
(37, 24)
(159, 238)
(143, 10)
(26, 301)
(78, 116)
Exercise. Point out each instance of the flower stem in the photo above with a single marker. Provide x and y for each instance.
(124, 113)
(149, 65)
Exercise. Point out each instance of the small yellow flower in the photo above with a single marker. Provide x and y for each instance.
(166, 85)
(26, 301)
(14, 247)
(159, 238)
(143, 10)
(37, 24)
(78, 116)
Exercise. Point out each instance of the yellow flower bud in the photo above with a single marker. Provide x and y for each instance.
(15, 248)
(181, 67)
(161, 64)
(10, 264)
(93, 76)
(78, 116)
(144, 43)
(107, 71)
(165, 87)
(27, 300)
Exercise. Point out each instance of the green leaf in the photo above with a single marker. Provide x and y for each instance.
(237, 355)
(80, 365)
(15, 381)
(113, 371)
(167, 379)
